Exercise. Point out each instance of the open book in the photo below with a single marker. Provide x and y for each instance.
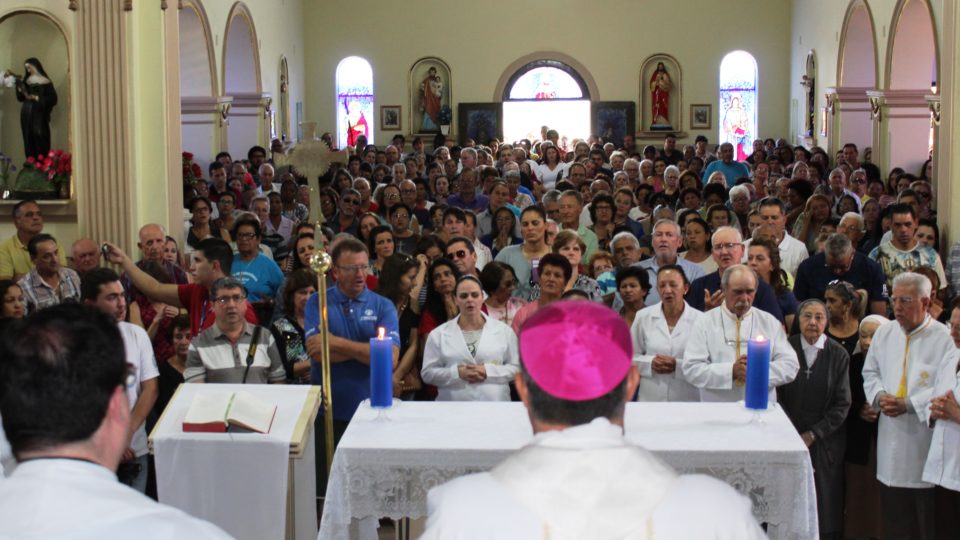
(216, 411)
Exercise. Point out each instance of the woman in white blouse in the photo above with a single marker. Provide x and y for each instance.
(551, 168)
(471, 357)
(660, 334)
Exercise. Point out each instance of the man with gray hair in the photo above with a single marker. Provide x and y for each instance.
(851, 224)
(898, 381)
(233, 350)
(715, 359)
(551, 204)
(667, 239)
(839, 261)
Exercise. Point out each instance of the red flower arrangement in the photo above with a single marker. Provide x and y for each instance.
(191, 171)
(56, 165)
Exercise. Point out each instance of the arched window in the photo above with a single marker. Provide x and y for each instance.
(546, 92)
(738, 102)
(354, 101)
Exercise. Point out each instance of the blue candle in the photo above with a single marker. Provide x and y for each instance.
(381, 371)
(758, 373)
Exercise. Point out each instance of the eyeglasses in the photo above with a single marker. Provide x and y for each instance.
(247, 235)
(459, 254)
(923, 194)
(728, 246)
(354, 269)
(352, 202)
(408, 191)
(236, 299)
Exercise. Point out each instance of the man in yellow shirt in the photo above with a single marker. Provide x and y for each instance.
(14, 259)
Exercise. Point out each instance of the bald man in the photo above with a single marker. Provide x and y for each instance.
(152, 239)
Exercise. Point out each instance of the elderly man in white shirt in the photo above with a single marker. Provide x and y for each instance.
(580, 477)
(943, 460)
(898, 379)
(715, 359)
(63, 386)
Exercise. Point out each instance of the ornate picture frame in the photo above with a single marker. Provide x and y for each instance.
(390, 119)
(701, 116)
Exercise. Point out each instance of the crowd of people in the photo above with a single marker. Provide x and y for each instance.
(452, 250)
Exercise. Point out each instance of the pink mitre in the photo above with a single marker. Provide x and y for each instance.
(576, 350)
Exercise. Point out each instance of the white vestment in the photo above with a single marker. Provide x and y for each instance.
(80, 500)
(711, 351)
(446, 349)
(943, 459)
(651, 337)
(903, 441)
(587, 482)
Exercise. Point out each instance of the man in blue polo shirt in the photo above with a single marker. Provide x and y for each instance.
(355, 314)
(731, 169)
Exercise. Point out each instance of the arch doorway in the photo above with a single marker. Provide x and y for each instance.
(241, 81)
(857, 74)
(546, 93)
(198, 84)
(912, 60)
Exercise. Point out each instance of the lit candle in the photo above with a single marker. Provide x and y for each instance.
(758, 373)
(381, 370)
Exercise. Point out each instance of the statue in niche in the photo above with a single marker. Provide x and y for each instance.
(431, 92)
(35, 90)
(660, 88)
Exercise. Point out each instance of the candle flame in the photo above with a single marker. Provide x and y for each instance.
(381, 332)
(760, 338)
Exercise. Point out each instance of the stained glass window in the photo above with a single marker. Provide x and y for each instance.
(738, 102)
(354, 101)
(546, 83)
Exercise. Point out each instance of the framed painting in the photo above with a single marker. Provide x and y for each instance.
(390, 118)
(480, 122)
(701, 116)
(614, 119)
(430, 84)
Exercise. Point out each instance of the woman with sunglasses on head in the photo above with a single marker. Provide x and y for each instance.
(843, 309)
(472, 357)
(498, 282)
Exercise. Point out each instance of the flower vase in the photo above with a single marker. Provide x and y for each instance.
(64, 189)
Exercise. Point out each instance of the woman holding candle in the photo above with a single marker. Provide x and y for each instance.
(817, 402)
(472, 357)
(660, 335)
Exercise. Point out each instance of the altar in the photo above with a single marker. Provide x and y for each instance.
(384, 468)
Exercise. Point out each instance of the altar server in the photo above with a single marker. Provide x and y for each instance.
(471, 357)
(660, 334)
(715, 360)
(898, 380)
(580, 477)
(63, 381)
(943, 460)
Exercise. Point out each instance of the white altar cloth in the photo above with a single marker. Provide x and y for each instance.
(235, 480)
(385, 468)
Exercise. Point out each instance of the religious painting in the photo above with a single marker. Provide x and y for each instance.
(354, 101)
(480, 122)
(738, 102)
(429, 91)
(390, 118)
(660, 96)
(614, 119)
(701, 116)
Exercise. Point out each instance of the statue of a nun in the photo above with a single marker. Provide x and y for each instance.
(36, 92)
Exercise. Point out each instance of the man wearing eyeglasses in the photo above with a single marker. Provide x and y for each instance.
(899, 375)
(222, 353)
(705, 293)
(715, 359)
(63, 397)
(354, 314)
(460, 250)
